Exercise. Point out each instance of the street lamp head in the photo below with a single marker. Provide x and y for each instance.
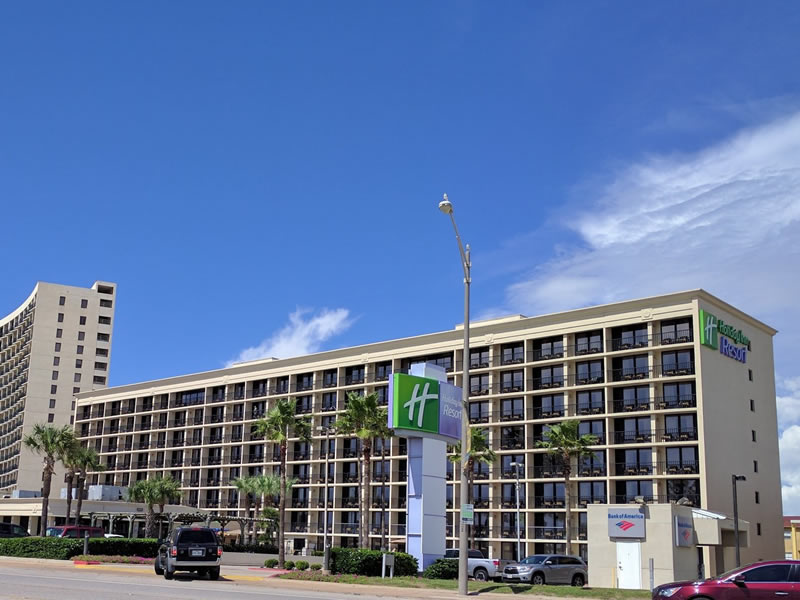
(445, 205)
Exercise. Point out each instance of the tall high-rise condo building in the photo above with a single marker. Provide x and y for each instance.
(55, 345)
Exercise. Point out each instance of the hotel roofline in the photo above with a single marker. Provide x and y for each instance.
(510, 323)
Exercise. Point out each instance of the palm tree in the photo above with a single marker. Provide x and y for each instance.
(151, 492)
(564, 441)
(85, 460)
(246, 487)
(281, 421)
(365, 419)
(68, 459)
(479, 452)
(53, 444)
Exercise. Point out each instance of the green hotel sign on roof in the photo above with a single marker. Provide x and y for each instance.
(715, 333)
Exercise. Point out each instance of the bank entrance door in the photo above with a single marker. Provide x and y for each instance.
(629, 565)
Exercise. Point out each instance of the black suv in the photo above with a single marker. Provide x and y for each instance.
(190, 549)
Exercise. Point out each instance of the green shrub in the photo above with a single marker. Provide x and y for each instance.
(288, 565)
(316, 566)
(270, 563)
(66, 548)
(355, 561)
(317, 553)
(442, 568)
(301, 565)
(255, 548)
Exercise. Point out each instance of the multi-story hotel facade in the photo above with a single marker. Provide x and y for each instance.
(674, 409)
(56, 344)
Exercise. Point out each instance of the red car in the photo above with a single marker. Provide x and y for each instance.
(771, 580)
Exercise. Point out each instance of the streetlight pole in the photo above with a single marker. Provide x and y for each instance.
(447, 208)
(383, 494)
(515, 465)
(734, 479)
(326, 552)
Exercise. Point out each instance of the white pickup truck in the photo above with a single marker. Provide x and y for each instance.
(478, 567)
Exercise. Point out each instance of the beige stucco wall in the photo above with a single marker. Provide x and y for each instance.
(726, 422)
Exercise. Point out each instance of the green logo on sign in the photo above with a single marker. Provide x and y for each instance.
(416, 403)
(711, 328)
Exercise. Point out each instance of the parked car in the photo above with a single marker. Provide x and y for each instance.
(74, 531)
(478, 567)
(547, 568)
(773, 578)
(10, 530)
(195, 549)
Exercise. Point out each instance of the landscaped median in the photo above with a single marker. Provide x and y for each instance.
(474, 586)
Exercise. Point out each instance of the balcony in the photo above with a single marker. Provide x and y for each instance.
(548, 412)
(512, 443)
(681, 337)
(299, 503)
(584, 501)
(633, 437)
(631, 374)
(590, 409)
(507, 416)
(350, 502)
(592, 471)
(479, 390)
(350, 477)
(546, 383)
(682, 401)
(548, 533)
(630, 342)
(512, 502)
(634, 469)
(479, 418)
(511, 532)
(634, 405)
(548, 502)
(298, 527)
(678, 369)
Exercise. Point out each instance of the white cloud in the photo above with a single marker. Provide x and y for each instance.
(304, 334)
(726, 219)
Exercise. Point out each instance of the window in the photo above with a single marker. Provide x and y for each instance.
(52, 402)
(750, 374)
(82, 320)
(478, 358)
(79, 349)
(677, 363)
(768, 573)
(548, 348)
(62, 300)
(101, 366)
(78, 363)
(478, 385)
(99, 380)
(673, 332)
(104, 320)
(548, 377)
(479, 412)
(633, 336)
(56, 361)
(84, 303)
(758, 528)
(58, 347)
(105, 304)
(753, 434)
(758, 498)
(59, 333)
(53, 389)
(51, 417)
(589, 343)
(629, 399)
(77, 378)
(755, 466)
(82, 336)
(104, 337)
(590, 372)
(104, 352)
(60, 317)
(591, 402)
(513, 354)
(512, 381)
(55, 376)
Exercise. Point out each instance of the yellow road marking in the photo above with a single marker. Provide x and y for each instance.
(243, 577)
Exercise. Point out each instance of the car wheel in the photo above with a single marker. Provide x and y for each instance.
(578, 580)
(168, 573)
(537, 579)
(481, 575)
(157, 566)
(213, 573)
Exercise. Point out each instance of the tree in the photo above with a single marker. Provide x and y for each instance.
(69, 460)
(563, 441)
(279, 424)
(365, 419)
(52, 443)
(85, 460)
(157, 491)
(246, 487)
(479, 452)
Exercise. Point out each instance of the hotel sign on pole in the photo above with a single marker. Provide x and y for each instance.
(423, 407)
(716, 334)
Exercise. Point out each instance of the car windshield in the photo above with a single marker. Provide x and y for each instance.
(533, 560)
(197, 536)
(54, 531)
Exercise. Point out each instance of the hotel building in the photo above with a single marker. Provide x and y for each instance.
(674, 409)
(55, 345)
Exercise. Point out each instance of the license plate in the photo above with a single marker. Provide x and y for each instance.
(198, 552)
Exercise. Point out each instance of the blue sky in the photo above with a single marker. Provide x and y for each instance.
(262, 177)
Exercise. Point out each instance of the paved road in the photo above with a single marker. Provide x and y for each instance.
(62, 581)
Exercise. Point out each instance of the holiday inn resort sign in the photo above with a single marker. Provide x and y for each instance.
(715, 333)
(423, 407)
